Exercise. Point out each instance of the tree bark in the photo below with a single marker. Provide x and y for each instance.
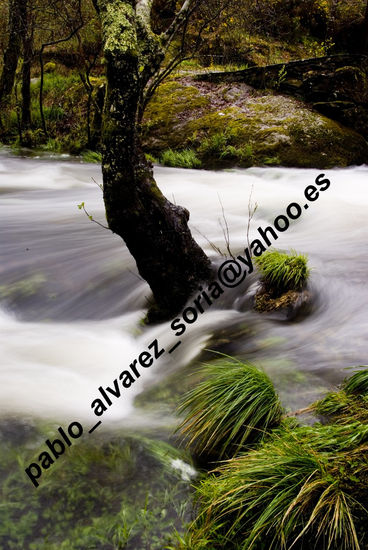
(17, 17)
(155, 230)
(365, 30)
(26, 72)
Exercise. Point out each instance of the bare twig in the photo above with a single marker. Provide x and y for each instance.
(181, 55)
(251, 212)
(212, 245)
(305, 410)
(90, 217)
(225, 229)
(72, 33)
(136, 275)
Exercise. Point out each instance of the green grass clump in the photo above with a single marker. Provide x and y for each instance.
(357, 384)
(235, 405)
(304, 488)
(350, 402)
(92, 156)
(214, 145)
(151, 158)
(281, 271)
(180, 159)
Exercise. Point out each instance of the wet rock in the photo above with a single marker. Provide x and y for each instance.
(287, 305)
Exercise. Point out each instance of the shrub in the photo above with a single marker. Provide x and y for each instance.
(180, 159)
(302, 486)
(214, 145)
(281, 271)
(52, 145)
(234, 405)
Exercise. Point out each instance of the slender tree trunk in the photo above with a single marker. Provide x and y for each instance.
(26, 72)
(365, 30)
(17, 12)
(155, 230)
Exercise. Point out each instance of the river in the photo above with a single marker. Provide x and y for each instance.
(71, 298)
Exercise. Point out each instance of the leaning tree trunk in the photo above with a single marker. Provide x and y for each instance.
(155, 230)
(17, 16)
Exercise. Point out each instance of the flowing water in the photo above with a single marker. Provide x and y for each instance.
(71, 299)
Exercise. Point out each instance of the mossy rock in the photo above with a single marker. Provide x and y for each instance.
(289, 304)
(256, 128)
(169, 108)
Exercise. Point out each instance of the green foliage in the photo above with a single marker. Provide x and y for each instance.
(316, 48)
(219, 147)
(55, 84)
(357, 384)
(180, 159)
(234, 405)
(281, 77)
(151, 158)
(271, 161)
(302, 485)
(52, 144)
(246, 133)
(95, 496)
(50, 67)
(351, 401)
(281, 271)
(214, 145)
(92, 156)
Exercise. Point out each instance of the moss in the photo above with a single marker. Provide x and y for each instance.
(268, 129)
(50, 67)
(118, 23)
(224, 125)
(173, 104)
(23, 288)
(265, 302)
(96, 495)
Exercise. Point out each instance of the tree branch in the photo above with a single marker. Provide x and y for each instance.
(143, 10)
(180, 17)
(52, 43)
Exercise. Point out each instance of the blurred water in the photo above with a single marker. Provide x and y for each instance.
(71, 298)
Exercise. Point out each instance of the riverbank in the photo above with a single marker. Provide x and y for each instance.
(190, 123)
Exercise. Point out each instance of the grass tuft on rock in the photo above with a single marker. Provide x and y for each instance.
(282, 272)
(235, 405)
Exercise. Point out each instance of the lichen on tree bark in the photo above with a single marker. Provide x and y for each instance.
(155, 230)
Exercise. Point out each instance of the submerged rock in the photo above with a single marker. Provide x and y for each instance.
(114, 490)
